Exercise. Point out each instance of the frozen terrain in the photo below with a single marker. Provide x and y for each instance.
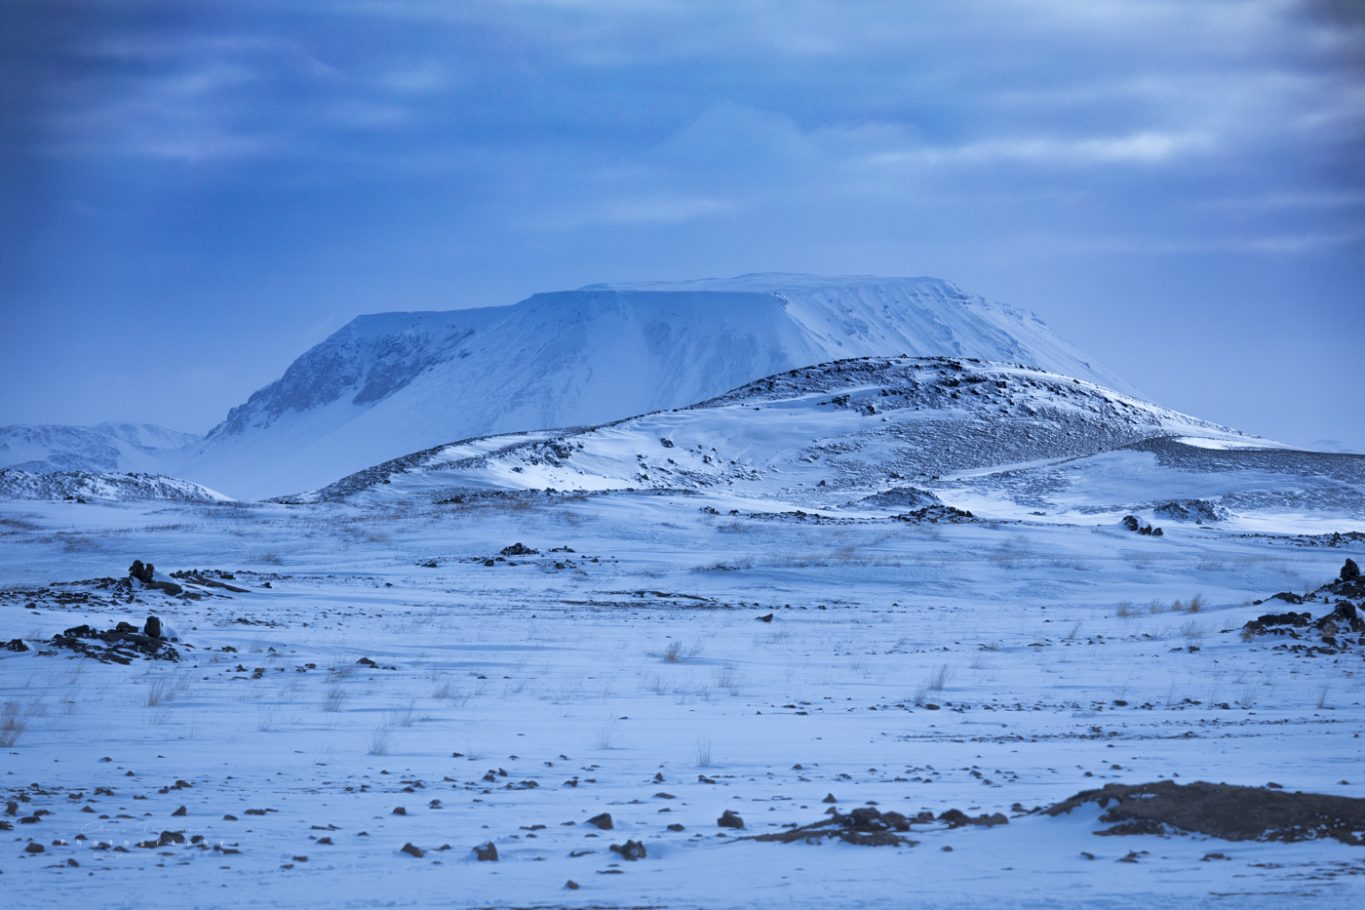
(83, 486)
(376, 659)
(995, 439)
(394, 383)
(104, 447)
(915, 584)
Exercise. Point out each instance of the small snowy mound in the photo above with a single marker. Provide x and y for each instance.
(901, 498)
(1197, 510)
(86, 486)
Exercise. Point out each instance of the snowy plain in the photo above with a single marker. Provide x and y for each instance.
(977, 666)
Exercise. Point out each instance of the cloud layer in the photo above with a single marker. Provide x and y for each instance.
(255, 173)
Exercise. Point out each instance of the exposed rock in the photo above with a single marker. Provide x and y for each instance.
(603, 821)
(152, 628)
(518, 549)
(412, 850)
(1131, 523)
(1223, 810)
(120, 644)
(630, 850)
(728, 819)
(1197, 510)
(864, 826)
(1268, 621)
(1350, 571)
(901, 498)
(956, 818)
(934, 514)
(15, 644)
(1345, 618)
(486, 853)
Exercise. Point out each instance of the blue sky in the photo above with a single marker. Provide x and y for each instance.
(192, 193)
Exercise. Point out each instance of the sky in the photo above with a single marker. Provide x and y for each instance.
(192, 193)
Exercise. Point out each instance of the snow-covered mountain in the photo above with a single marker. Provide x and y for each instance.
(103, 447)
(895, 434)
(86, 486)
(390, 384)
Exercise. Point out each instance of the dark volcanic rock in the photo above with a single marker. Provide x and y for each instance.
(1267, 621)
(956, 818)
(486, 853)
(864, 826)
(630, 850)
(119, 645)
(518, 549)
(1196, 510)
(602, 821)
(1345, 618)
(152, 628)
(728, 819)
(1225, 811)
(1350, 571)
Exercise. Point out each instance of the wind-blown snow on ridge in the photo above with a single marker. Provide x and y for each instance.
(395, 383)
(107, 486)
(816, 436)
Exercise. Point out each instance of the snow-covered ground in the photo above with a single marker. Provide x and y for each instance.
(994, 665)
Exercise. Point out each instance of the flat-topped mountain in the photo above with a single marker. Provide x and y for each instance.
(394, 383)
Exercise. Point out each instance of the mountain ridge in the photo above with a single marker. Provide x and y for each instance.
(387, 384)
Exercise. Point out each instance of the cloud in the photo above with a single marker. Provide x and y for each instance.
(1149, 147)
(646, 211)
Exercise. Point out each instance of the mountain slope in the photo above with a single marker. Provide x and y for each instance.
(109, 486)
(104, 447)
(881, 435)
(817, 436)
(390, 384)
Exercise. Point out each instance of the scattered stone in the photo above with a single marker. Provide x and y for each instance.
(486, 853)
(179, 813)
(1349, 571)
(34, 847)
(119, 645)
(603, 821)
(571, 885)
(956, 818)
(766, 617)
(1131, 523)
(152, 628)
(412, 850)
(864, 826)
(518, 549)
(15, 644)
